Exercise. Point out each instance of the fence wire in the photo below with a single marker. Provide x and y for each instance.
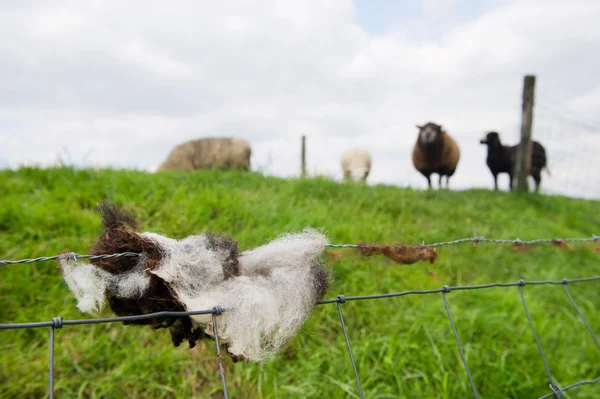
(556, 389)
(475, 240)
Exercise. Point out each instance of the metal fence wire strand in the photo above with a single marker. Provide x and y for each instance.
(568, 387)
(69, 255)
(477, 240)
(462, 354)
(217, 311)
(581, 316)
(474, 240)
(339, 307)
(556, 390)
(56, 323)
(460, 288)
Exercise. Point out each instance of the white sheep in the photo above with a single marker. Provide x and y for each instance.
(356, 164)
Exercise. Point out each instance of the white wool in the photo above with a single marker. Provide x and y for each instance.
(87, 284)
(131, 284)
(265, 306)
(356, 161)
(189, 263)
(286, 250)
(261, 313)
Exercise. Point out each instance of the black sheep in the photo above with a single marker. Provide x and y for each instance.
(502, 159)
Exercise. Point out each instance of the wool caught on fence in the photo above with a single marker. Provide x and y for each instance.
(267, 293)
(403, 254)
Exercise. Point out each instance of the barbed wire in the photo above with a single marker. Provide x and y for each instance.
(475, 240)
(69, 255)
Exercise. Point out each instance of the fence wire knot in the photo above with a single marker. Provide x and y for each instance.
(556, 391)
(565, 281)
(341, 299)
(70, 256)
(217, 310)
(446, 289)
(57, 322)
(521, 283)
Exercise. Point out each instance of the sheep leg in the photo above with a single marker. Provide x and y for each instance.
(510, 181)
(495, 182)
(537, 177)
(346, 175)
(447, 182)
(440, 182)
(429, 181)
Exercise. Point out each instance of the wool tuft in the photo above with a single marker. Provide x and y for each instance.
(278, 287)
(267, 293)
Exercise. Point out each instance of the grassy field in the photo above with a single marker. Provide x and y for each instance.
(404, 347)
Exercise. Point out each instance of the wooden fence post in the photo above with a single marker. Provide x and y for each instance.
(523, 161)
(303, 165)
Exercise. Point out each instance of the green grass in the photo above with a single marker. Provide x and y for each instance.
(404, 347)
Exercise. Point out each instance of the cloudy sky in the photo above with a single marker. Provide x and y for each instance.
(107, 83)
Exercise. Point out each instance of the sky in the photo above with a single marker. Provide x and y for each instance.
(119, 84)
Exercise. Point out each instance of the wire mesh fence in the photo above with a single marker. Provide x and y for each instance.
(555, 388)
(572, 144)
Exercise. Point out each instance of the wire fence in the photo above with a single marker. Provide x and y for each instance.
(572, 161)
(556, 390)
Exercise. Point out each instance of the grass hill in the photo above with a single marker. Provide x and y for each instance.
(404, 347)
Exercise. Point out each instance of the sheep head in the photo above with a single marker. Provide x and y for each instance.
(491, 139)
(359, 173)
(429, 134)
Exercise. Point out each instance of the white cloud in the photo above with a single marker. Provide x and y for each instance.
(437, 6)
(124, 82)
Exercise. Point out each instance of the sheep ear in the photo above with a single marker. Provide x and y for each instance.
(419, 127)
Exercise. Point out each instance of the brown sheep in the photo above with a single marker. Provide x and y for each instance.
(208, 153)
(435, 152)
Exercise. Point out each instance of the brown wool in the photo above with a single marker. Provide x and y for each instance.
(402, 254)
